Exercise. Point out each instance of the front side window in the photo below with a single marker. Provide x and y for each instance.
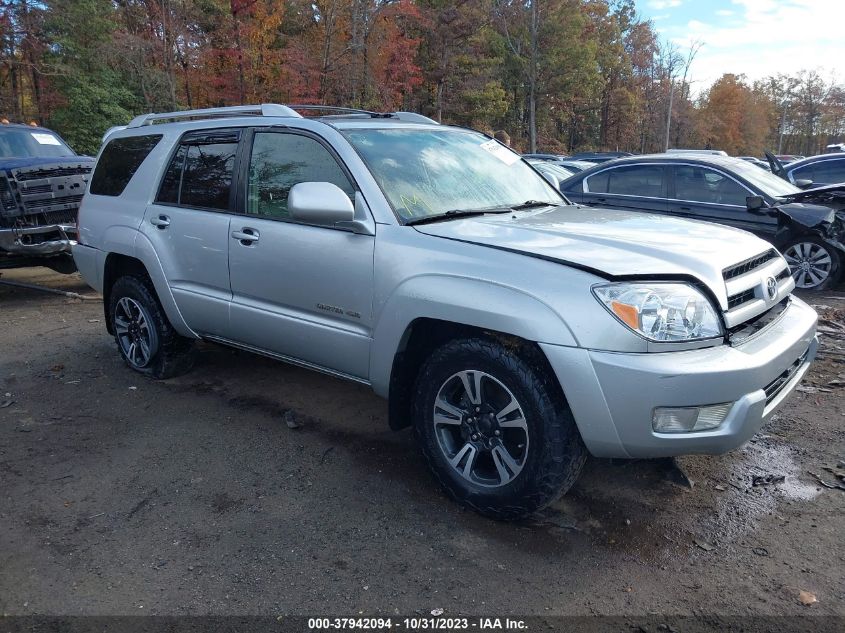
(829, 171)
(200, 173)
(630, 180)
(700, 184)
(281, 160)
(119, 161)
(428, 172)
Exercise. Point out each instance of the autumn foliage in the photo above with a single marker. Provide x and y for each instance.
(557, 75)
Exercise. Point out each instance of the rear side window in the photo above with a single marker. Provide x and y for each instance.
(119, 161)
(200, 173)
(630, 180)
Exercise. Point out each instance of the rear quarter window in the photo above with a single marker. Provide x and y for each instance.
(119, 161)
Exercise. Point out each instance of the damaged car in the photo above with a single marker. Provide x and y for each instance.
(807, 226)
(42, 181)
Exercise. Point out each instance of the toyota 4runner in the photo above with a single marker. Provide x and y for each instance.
(514, 331)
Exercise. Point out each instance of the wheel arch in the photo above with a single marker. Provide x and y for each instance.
(143, 261)
(427, 311)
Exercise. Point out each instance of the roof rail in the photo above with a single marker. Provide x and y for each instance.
(410, 117)
(265, 109)
(339, 110)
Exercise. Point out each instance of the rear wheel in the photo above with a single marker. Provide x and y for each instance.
(814, 264)
(495, 429)
(145, 339)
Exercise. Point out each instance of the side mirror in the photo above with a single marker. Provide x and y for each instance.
(319, 203)
(803, 183)
(755, 204)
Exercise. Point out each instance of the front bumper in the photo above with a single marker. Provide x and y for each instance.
(51, 239)
(613, 395)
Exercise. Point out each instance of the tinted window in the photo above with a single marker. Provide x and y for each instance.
(700, 184)
(119, 161)
(828, 172)
(172, 181)
(200, 172)
(278, 162)
(633, 180)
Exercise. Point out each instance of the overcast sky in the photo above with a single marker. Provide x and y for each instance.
(754, 37)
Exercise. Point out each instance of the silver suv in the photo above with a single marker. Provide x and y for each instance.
(514, 331)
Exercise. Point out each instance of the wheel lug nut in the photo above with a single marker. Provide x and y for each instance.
(474, 436)
(477, 409)
(497, 432)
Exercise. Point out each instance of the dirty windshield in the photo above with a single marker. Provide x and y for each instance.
(426, 172)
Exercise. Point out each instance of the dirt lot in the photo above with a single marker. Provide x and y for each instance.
(120, 495)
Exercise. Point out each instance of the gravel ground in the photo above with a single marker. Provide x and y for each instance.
(121, 495)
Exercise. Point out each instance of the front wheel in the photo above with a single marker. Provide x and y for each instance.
(495, 429)
(815, 265)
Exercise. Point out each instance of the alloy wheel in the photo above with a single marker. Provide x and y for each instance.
(137, 338)
(810, 264)
(480, 428)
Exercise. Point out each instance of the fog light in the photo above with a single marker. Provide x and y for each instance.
(689, 419)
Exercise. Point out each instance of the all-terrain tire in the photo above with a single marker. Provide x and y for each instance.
(173, 354)
(556, 453)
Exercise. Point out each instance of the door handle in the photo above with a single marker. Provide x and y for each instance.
(161, 221)
(246, 236)
(685, 208)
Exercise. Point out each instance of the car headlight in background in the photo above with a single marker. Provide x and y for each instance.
(663, 312)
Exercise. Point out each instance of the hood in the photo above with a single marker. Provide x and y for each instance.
(832, 196)
(612, 243)
(45, 163)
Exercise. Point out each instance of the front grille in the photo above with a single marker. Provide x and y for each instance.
(748, 288)
(22, 175)
(43, 203)
(777, 385)
(738, 299)
(749, 264)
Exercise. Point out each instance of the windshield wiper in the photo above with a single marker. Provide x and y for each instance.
(455, 213)
(531, 204)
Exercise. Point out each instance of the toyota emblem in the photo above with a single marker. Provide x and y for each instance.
(772, 288)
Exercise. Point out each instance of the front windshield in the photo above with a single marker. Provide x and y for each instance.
(32, 143)
(766, 181)
(428, 172)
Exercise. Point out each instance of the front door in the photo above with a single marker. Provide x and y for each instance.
(702, 193)
(298, 290)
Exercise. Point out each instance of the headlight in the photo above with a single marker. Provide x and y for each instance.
(665, 312)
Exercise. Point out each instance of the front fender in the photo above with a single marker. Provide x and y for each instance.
(483, 304)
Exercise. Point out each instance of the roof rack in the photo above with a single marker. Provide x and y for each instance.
(265, 109)
(271, 110)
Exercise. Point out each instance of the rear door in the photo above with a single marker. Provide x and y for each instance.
(188, 225)
(640, 187)
(703, 193)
